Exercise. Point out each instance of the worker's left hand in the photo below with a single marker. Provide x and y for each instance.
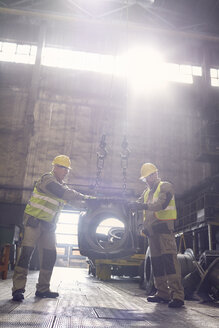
(136, 206)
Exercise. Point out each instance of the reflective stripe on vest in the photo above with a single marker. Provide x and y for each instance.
(43, 207)
(169, 213)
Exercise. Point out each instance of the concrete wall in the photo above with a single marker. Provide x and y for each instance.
(73, 111)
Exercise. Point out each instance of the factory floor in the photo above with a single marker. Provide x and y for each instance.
(85, 301)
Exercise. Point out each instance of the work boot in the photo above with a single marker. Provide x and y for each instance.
(175, 303)
(18, 295)
(46, 294)
(157, 299)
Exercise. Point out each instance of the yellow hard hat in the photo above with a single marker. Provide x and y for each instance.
(62, 160)
(147, 169)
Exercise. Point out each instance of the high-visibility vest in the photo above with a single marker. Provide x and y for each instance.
(43, 206)
(169, 213)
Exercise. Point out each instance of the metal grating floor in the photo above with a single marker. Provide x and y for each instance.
(86, 302)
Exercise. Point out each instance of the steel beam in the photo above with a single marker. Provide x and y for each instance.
(132, 27)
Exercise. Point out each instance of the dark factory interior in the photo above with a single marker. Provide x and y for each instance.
(111, 94)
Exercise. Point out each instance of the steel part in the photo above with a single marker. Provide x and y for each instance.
(97, 246)
(134, 260)
(190, 283)
(210, 237)
(182, 241)
(92, 268)
(199, 268)
(207, 258)
(148, 274)
(208, 289)
(103, 271)
(198, 209)
(191, 280)
(186, 261)
(105, 313)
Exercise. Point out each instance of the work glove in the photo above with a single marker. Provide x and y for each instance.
(136, 206)
(144, 233)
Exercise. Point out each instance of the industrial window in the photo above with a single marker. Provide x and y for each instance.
(102, 63)
(69, 59)
(67, 228)
(214, 75)
(182, 73)
(77, 60)
(17, 53)
(67, 240)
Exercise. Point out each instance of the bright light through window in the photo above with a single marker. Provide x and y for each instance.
(181, 73)
(214, 74)
(196, 71)
(12, 52)
(67, 217)
(144, 68)
(67, 228)
(85, 61)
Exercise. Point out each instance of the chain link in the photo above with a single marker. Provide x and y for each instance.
(101, 155)
(124, 162)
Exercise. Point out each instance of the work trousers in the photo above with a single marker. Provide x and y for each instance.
(41, 234)
(166, 268)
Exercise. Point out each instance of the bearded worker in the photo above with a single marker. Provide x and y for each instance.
(159, 212)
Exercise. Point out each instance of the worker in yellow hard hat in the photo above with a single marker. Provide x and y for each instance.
(159, 212)
(40, 218)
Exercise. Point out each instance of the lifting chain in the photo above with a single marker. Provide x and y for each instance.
(124, 161)
(101, 154)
